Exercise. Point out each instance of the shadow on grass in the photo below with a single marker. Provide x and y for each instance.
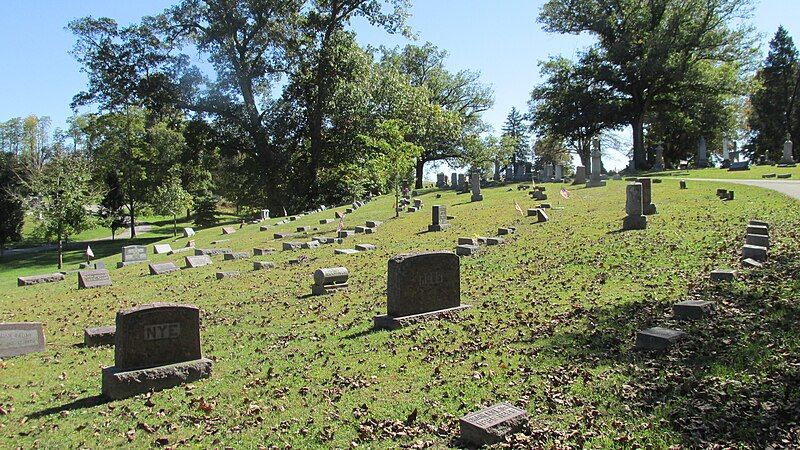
(735, 379)
(82, 403)
(359, 334)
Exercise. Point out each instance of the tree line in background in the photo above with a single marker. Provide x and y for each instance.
(283, 108)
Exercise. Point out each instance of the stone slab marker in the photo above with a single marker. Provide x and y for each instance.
(438, 218)
(162, 249)
(692, 309)
(193, 262)
(20, 338)
(657, 338)
(98, 336)
(788, 157)
(188, 232)
(93, 278)
(634, 220)
(648, 208)
(156, 347)
(228, 230)
(580, 175)
(330, 280)
(755, 252)
(595, 179)
(162, 268)
(36, 279)
(723, 275)
(421, 286)
(659, 164)
(475, 182)
(133, 254)
(491, 425)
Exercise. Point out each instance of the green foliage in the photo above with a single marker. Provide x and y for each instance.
(205, 214)
(775, 102)
(170, 198)
(11, 206)
(516, 129)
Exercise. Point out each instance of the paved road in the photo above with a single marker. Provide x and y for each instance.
(790, 188)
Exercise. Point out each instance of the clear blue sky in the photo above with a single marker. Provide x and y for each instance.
(499, 38)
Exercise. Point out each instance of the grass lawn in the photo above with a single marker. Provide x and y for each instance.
(754, 173)
(551, 330)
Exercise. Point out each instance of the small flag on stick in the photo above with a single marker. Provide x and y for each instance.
(518, 208)
(284, 212)
(564, 193)
(89, 253)
(341, 224)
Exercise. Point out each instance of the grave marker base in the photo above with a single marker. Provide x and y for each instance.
(118, 384)
(121, 264)
(328, 289)
(387, 322)
(657, 338)
(491, 425)
(95, 337)
(692, 309)
(441, 227)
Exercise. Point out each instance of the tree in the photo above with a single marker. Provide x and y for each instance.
(550, 149)
(61, 191)
(396, 154)
(112, 206)
(170, 199)
(645, 49)
(515, 128)
(11, 207)
(775, 109)
(572, 105)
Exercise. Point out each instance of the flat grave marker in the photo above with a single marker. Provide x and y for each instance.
(20, 338)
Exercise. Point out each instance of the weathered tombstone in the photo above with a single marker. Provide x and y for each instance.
(462, 182)
(739, 166)
(454, 180)
(634, 220)
(421, 286)
(755, 252)
(345, 233)
(723, 275)
(506, 231)
(373, 224)
(757, 239)
(290, 246)
(228, 230)
(580, 175)
(559, 173)
(438, 218)
(161, 249)
(692, 309)
(702, 158)
(345, 251)
(467, 249)
(659, 163)
(162, 268)
(760, 223)
(491, 425)
(784, 176)
(475, 182)
(750, 263)
(262, 251)
(133, 254)
(228, 274)
(657, 338)
(683, 184)
(156, 347)
(762, 230)
(236, 255)
(188, 232)
(541, 216)
(98, 336)
(20, 338)
(788, 158)
(193, 262)
(495, 241)
(648, 208)
(264, 214)
(36, 279)
(326, 221)
(365, 247)
(309, 245)
(594, 179)
(99, 265)
(93, 278)
(263, 265)
(329, 280)
(467, 241)
(212, 251)
(303, 229)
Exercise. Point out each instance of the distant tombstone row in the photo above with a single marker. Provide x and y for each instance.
(421, 286)
(156, 347)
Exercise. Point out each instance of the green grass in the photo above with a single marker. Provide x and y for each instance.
(754, 173)
(551, 330)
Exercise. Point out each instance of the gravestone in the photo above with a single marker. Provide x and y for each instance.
(702, 157)
(739, 166)
(440, 180)
(723, 275)
(212, 251)
(755, 252)
(345, 251)
(467, 249)
(303, 229)
(188, 232)
(657, 338)
(99, 336)
(263, 265)
(788, 158)
(595, 179)
(20, 338)
(475, 183)
(162, 249)
(454, 181)
(236, 255)
(757, 239)
(495, 241)
(193, 262)
(683, 184)
(559, 176)
(648, 208)
(491, 425)
(133, 254)
(462, 182)
(373, 224)
(365, 247)
(421, 286)
(290, 246)
(262, 251)
(162, 268)
(330, 280)
(228, 274)
(762, 230)
(750, 263)
(309, 245)
(156, 347)
(692, 309)
(36, 279)
(726, 153)
(326, 221)
(345, 233)
(438, 218)
(228, 230)
(264, 214)
(539, 213)
(580, 175)
(634, 220)
(659, 163)
(93, 278)
(506, 230)
(467, 241)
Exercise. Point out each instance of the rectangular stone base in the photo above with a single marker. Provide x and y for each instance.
(123, 384)
(438, 227)
(327, 289)
(95, 337)
(476, 198)
(387, 322)
(657, 338)
(121, 264)
(593, 184)
(692, 309)
(634, 223)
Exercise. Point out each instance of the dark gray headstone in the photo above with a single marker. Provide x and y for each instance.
(657, 338)
(162, 268)
(20, 338)
(491, 425)
(423, 282)
(95, 337)
(93, 278)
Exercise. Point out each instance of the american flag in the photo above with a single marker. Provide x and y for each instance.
(518, 208)
(564, 193)
(341, 224)
(89, 253)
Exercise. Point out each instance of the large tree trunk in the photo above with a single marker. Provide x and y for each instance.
(639, 153)
(133, 220)
(420, 169)
(60, 253)
(174, 225)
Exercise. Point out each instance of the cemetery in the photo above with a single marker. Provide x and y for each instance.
(350, 258)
